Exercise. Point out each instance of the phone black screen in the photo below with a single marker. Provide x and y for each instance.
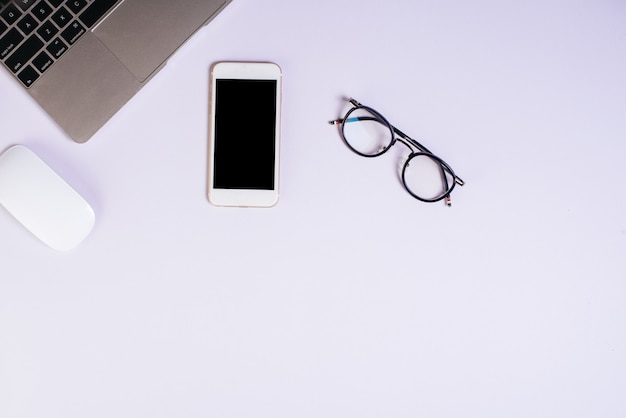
(245, 130)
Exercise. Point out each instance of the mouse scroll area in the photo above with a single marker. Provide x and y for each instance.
(42, 201)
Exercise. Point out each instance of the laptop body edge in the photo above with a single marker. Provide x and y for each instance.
(84, 89)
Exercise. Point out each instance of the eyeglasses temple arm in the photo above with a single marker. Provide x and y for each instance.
(354, 103)
(352, 119)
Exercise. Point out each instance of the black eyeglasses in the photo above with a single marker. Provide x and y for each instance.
(424, 175)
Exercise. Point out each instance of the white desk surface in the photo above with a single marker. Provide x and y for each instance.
(348, 299)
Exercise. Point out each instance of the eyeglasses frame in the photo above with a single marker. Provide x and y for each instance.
(397, 135)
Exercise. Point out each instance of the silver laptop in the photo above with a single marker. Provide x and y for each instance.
(82, 60)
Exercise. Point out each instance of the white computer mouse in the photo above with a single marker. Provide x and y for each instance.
(42, 201)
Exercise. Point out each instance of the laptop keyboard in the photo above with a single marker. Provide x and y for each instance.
(34, 34)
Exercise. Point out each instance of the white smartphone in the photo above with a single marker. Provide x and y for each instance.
(244, 134)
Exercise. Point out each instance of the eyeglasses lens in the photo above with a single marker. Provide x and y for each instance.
(426, 178)
(366, 132)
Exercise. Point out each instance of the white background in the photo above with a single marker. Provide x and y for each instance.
(349, 298)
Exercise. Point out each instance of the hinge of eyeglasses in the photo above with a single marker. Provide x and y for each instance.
(354, 102)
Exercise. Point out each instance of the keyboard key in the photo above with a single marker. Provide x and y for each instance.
(28, 76)
(95, 11)
(3, 27)
(47, 31)
(25, 52)
(25, 4)
(9, 42)
(77, 5)
(10, 14)
(57, 48)
(73, 32)
(62, 17)
(42, 10)
(42, 62)
(55, 3)
(27, 24)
